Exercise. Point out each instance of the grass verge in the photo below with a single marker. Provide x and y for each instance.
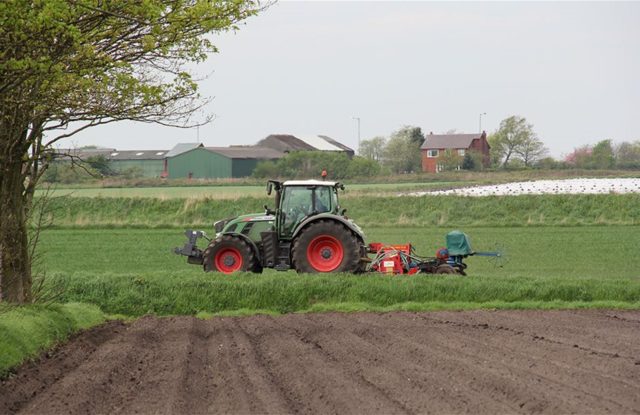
(403, 211)
(26, 331)
(173, 293)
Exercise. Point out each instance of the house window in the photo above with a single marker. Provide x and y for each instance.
(432, 153)
(461, 151)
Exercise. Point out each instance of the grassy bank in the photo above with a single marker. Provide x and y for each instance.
(548, 210)
(26, 331)
(173, 293)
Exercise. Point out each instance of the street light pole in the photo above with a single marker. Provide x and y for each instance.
(358, 119)
(480, 121)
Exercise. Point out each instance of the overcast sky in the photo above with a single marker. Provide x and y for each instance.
(571, 69)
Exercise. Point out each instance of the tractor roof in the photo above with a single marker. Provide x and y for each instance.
(308, 183)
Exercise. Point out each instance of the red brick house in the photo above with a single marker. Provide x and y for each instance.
(435, 145)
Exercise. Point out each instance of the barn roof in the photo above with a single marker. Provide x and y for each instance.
(137, 155)
(247, 152)
(284, 142)
(449, 140)
(288, 142)
(182, 148)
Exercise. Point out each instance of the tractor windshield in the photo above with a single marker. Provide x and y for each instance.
(299, 202)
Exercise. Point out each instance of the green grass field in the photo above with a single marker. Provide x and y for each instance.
(369, 211)
(233, 192)
(133, 272)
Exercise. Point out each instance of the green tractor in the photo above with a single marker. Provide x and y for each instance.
(307, 231)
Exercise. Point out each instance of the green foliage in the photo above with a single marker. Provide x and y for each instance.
(26, 331)
(515, 139)
(168, 294)
(372, 149)
(548, 163)
(402, 152)
(100, 164)
(473, 160)
(627, 155)
(67, 173)
(602, 155)
(450, 160)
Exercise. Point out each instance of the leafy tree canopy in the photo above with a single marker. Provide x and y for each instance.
(67, 65)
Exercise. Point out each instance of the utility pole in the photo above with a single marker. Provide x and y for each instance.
(358, 119)
(480, 121)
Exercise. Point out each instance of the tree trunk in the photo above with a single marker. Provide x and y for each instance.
(15, 265)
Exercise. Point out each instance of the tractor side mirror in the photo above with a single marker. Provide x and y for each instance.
(268, 211)
(269, 189)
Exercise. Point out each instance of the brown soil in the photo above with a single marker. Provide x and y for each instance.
(444, 362)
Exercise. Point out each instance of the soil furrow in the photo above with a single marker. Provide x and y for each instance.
(362, 363)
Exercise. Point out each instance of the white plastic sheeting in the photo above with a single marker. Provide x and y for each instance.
(540, 187)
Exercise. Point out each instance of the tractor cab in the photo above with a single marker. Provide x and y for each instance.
(298, 200)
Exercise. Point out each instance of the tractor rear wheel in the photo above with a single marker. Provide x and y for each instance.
(446, 269)
(229, 254)
(326, 246)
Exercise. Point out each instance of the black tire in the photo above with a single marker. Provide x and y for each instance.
(229, 254)
(341, 238)
(446, 269)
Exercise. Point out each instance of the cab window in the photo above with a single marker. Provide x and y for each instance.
(323, 199)
(297, 203)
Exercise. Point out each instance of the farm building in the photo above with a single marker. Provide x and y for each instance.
(287, 143)
(435, 145)
(199, 162)
(148, 163)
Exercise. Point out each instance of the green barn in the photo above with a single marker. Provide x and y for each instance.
(146, 163)
(198, 162)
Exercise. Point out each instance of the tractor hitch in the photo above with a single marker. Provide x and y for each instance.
(190, 250)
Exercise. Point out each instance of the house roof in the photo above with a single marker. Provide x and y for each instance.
(449, 140)
(247, 152)
(182, 148)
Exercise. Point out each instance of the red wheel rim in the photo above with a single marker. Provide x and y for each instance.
(228, 260)
(325, 253)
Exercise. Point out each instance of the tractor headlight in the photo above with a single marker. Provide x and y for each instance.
(219, 225)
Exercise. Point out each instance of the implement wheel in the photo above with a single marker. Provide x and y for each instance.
(326, 246)
(229, 254)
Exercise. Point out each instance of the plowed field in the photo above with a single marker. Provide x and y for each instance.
(445, 362)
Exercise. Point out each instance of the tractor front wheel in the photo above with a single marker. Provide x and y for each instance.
(229, 254)
(326, 246)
